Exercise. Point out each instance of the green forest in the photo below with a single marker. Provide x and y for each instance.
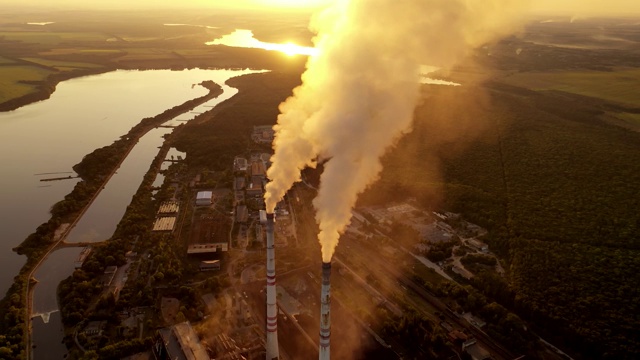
(558, 191)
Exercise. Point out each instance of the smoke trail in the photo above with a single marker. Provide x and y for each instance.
(359, 92)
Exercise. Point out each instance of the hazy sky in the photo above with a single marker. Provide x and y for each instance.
(570, 7)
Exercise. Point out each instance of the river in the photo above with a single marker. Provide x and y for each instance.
(53, 135)
(46, 139)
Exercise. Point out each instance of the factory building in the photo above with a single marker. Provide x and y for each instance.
(204, 198)
(179, 342)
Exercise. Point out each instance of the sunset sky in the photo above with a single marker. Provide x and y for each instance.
(567, 7)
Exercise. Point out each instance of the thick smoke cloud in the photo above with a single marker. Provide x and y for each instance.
(359, 93)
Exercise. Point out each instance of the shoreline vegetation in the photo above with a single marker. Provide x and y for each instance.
(46, 88)
(95, 170)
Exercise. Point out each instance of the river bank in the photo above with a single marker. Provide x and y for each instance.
(47, 87)
(37, 246)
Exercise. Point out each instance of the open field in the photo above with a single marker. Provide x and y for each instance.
(619, 86)
(50, 38)
(12, 76)
(61, 64)
(5, 61)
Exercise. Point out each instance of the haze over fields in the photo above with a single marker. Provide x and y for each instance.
(564, 7)
(497, 213)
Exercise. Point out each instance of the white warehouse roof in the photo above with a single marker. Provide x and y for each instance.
(204, 195)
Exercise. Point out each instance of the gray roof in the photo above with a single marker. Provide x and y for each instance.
(182, 343)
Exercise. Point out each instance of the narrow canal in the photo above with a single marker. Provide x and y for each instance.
(100, 221)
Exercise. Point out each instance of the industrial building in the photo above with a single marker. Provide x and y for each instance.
(196, 249)
(255, 187)
(169, 207)
(210, 265)
(179, 342)
(240, 164)
(263, 134)
(242, 214)
(258, 170)
(165, 223)
(239, 183)
(204, 198)
(82, 257)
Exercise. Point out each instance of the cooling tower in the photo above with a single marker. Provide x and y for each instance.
(325, 312)
(272, 308)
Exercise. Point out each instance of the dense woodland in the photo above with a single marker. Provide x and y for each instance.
(557, 188)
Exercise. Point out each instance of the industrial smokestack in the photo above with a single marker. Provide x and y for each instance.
(325, 313)
(272, 308)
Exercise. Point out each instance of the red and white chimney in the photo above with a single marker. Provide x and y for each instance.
(325, 313)
(272, 307)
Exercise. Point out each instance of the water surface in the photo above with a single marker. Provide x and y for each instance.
(53, 135)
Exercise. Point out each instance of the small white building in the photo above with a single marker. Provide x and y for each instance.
(204, 198)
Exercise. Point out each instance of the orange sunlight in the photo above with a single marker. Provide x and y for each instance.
(244, 38)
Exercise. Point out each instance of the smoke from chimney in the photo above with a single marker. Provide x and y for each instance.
(358, 94)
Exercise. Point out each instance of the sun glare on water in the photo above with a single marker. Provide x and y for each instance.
(244, 38)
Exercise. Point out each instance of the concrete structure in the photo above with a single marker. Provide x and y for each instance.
(258, 170)
(272, 307)
(255, 187)
(210, 265)
(239, 183)
(94, 328)
(325, 313)
(169, 207)
(179, 342)
(242, 214)
(165, 223)
(476, 351)
(474, 320)
(109, 274)
(195, 249)
(263, 134)
(82, 257)
(240, 164)
(478, 245)
(204, 198)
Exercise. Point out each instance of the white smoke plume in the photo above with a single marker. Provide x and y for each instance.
(359, 93)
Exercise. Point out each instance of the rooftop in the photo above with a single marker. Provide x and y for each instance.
(165, 223)
(204, 195)
(168, 207)
(182, 343)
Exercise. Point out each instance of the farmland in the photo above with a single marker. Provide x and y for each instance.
(13, 78)
(619, 85)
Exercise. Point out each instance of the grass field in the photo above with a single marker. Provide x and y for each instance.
(61, 64)
(50, 38)
(10, 77)
(626, 120)
(4, 61)
(619, 86)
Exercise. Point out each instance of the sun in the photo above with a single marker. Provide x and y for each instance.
(290, 49)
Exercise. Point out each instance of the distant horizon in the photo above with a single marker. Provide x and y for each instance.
(571, 8)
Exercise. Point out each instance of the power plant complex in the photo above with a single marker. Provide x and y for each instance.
(272, 351)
